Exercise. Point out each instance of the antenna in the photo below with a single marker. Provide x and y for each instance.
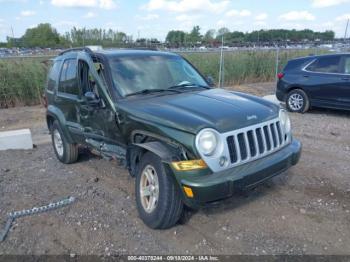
(221, 75)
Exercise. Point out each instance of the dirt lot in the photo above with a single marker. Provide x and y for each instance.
(304, 211)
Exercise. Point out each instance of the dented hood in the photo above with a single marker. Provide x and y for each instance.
(192, 111)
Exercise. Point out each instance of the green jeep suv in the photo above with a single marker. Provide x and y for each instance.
(185, 142)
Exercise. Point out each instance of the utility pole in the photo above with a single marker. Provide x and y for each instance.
(13, 36)
(221, 68)
(346, 30)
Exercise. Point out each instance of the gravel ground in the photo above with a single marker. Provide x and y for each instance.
(306, 210)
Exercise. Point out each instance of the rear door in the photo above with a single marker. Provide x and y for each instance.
(67, 96)
(324, 79)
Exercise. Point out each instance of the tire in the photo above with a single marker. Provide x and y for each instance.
(65, 152)
(297, 101)
(168, 206)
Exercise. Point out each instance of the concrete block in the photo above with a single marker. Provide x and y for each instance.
(16, 139)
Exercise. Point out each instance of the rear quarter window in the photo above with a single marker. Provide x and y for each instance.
(53, 75)
(296, 64)
(328, 64)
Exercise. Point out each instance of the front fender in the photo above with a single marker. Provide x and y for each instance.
(166, 153)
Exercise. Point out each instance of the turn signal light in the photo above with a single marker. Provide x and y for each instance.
(188, 191)
(189, 165)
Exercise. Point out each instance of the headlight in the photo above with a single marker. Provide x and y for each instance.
(285, 121)
(207, 142)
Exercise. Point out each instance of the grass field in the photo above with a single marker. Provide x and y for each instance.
(22, 79)
(245, 66)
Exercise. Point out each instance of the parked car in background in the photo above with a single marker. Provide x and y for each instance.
(320, 81)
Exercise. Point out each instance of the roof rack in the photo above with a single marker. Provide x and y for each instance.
(86, 49)
(142, 48)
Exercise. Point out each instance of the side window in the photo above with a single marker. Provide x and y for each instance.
(347, 65)
(53, 76)
(68, 79)
(325, 65)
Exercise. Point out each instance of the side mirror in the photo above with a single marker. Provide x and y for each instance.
(210, 81)
(91, 98)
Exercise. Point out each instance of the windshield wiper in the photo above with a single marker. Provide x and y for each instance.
(150, 91)
(188, 85)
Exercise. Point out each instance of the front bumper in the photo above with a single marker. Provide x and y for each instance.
(216, 186)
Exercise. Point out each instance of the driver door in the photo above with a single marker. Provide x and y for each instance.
(96, 110)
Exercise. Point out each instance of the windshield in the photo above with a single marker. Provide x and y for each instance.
(136, 74)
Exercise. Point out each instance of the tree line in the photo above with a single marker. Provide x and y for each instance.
(233, 38)
(44, 35)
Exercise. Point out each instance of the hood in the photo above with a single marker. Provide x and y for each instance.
(192, 111)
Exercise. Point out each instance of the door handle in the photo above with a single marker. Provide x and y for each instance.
(306, 76)
(345, 78)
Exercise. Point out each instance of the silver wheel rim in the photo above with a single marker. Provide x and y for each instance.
(58, 143)
(296, 102)
(149, 188)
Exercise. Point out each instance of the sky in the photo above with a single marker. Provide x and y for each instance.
(154, 18)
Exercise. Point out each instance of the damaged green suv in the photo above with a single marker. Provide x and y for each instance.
(186, 143)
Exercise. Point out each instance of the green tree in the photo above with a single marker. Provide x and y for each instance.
(195, 35)
(222, 31)
(209, 37)
(176, 38)
(44, 35)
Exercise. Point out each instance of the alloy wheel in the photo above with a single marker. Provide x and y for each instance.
(149, 188)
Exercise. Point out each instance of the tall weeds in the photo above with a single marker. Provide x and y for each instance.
(22, 80)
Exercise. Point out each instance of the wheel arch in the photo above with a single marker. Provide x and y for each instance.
(294, 87)
(54, 114)
(143, 141)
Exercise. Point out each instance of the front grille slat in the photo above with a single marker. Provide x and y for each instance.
(277, 136)
(280, 133)
(264, 139)
(249, 144)
(260, 140)
(270, 137)
(246, 142)
(267, 138)
(256, 146)
(274, 135)
(239, 158)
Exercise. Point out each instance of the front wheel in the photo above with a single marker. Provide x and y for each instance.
(157, 196)
(297, 101)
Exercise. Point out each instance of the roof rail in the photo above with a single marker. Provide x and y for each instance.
(85, 49)
(142, 48)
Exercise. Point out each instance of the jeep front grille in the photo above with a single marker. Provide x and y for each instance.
(256, 141)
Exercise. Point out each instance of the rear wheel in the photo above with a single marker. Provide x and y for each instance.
(65, 152)
(297, 101)
(157, 196)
